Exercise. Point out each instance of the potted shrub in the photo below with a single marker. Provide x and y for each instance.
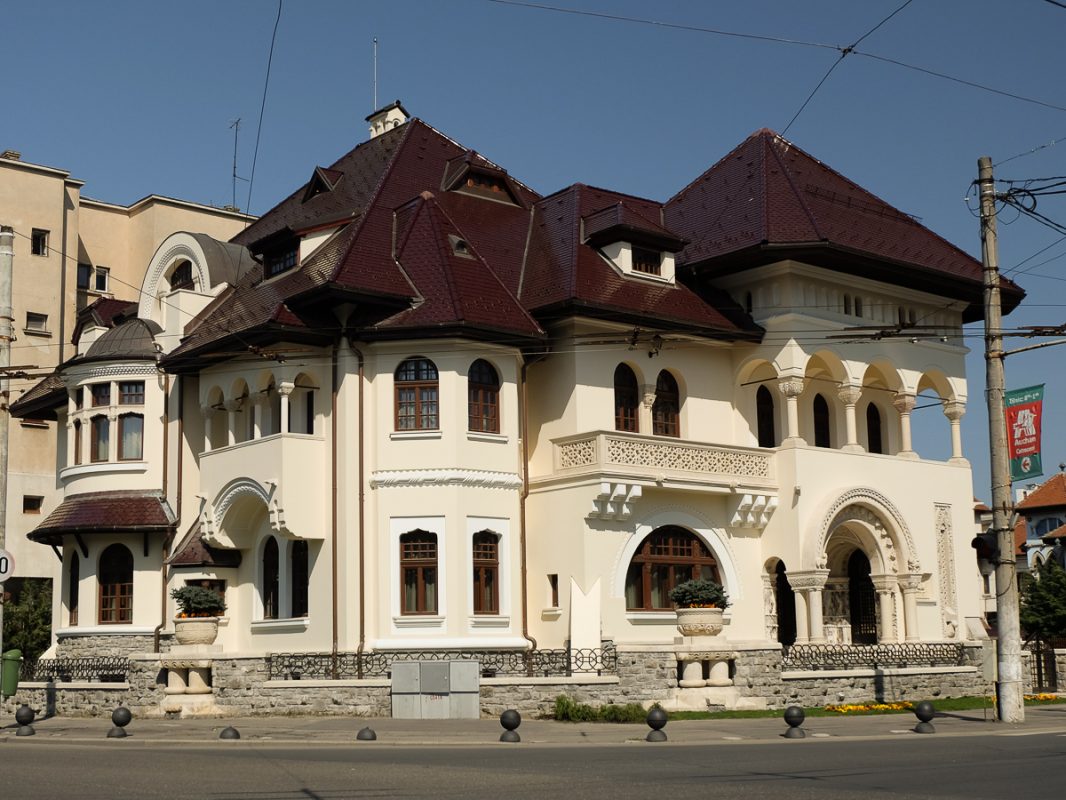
(198, 611)
(700, 605)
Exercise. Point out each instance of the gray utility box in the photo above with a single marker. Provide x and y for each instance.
(436, 690)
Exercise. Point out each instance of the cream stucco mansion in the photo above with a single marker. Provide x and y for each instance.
(418, 408)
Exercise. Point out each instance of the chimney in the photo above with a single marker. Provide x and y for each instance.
(385, 119)
(11, 155)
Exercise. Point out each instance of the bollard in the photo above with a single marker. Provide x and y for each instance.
(24, 716)
(924, 711)
(794, 716)
(121, 717)
(656, 721)
(366, 735)
(510, 719)
(229, 734)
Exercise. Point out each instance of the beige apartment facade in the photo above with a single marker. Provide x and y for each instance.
(69, 250)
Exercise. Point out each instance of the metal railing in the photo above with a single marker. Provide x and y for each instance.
(105, 669)
(852, 656)
(528, 663)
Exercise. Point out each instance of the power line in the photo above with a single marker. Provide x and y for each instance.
(1030, 152)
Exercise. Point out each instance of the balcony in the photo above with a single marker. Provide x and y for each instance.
(287, 471)
(674, 463)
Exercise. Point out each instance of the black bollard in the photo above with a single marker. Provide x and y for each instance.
(366, 735)
(924, 711)
(229, 734)
(121, 717)
(510, 720)
(656, 721)
(24, 716)
(794, 716)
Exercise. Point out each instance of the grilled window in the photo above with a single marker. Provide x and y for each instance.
(486, 573)
(181, 277)
(417, 395)
(418, 570)
(279, 261)
(647, 261)
(669, 556)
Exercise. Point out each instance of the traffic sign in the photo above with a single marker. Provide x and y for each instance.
(7, 565)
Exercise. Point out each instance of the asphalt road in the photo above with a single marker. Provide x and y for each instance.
(970, 767)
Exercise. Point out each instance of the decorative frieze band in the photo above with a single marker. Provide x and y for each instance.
(485, 479)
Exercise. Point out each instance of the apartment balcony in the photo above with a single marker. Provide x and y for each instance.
(662, 461)
(286, 472)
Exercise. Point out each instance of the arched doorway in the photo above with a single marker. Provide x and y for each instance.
(862, 600)
(786, 606)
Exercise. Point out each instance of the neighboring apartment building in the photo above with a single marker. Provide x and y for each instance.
(419, 409)
(69, 251)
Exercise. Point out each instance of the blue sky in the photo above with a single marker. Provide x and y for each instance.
(137, 97)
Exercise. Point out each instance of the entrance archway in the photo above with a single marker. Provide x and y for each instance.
(786, 606)
(862, 600)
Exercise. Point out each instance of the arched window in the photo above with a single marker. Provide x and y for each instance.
(101, 443)
(821, 422)
(115, 576)
(73, 589)
(665, 411)
(626, 399)
(77, 441)
(483, 391)
(764, 417)
(130, 437)
(181, 277)
(669, 556)
(486, 573)
(418, 573)
(873, 430)
(299, 574)
(269, 590)
(417, 396)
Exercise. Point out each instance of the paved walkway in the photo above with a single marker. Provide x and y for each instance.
(1047, 720)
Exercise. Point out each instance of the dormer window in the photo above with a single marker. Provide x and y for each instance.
(647, 261)
(469, 174)
(281, 260)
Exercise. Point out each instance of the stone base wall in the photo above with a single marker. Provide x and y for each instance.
(95, 646)
(68, 700)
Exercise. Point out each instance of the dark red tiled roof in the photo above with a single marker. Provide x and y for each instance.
(621, 222)
(767, 194)
(105, 512)
(102, 312)
(193, 551)
(1049, 494)
(40, 401)
(1021, 534)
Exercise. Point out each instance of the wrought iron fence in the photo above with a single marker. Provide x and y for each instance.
(105, 669)
(851, 656)
(529, 663)
(1042, 664)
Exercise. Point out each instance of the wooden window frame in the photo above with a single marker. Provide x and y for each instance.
(39, 242)
(483, 397)
(123, 420)
(131, 393)
(299, 578)
(77, 442)
(73, 589)
(419, 552)
(666, 411)
(100, 423)
(647, 261)
(424, 391)
(115, 606)
(270, 585)
(100, 394)
(626, 399)
(486, 562)
(681, 566)
(181, 277)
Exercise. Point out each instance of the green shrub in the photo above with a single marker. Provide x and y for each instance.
(568, 710)
(699, 593)
(198, 601)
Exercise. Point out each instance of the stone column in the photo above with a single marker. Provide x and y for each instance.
(910, 585)
(285, 390)
(904, 404)
(256, 410)
(802, 631)
(233, 407)
(692, 675)
(954, 411)
(176, 683)
(720, 674)
(206, 415)
(645, 422)
(886, 603)
(199, 680)
(849, 396)
(791, 388)
(112, 434)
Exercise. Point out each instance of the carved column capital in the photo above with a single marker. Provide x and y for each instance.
(790, 387)
(885, 583)
(648, 395)
(910, 583)
(954, 410)
(904, 402)
(849, 395)
(810, 580)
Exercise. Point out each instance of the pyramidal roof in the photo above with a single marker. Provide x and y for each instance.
(768, 199)
(1049, 494)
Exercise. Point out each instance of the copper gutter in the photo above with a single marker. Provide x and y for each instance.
(523, 421)
(169, 537)
(362, 505)
(334, 558)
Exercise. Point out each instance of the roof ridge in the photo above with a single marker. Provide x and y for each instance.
(768, 143)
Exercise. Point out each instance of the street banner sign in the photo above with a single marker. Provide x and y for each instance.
(1024, 408)
(7, 565)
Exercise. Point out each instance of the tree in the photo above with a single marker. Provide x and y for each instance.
(28, 618)
(1043, 611)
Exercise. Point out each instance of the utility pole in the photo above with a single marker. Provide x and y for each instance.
(7, 330)
(1009, 698)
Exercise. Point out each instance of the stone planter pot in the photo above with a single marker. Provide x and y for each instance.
(699, 621)
(196, 630)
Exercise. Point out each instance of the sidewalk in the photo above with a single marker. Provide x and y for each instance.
(1050, 720)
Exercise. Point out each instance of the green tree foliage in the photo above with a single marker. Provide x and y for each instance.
(28, 619)
(1043, 611)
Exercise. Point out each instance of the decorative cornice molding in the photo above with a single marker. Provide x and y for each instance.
(485, 479)
(754, 511)
(615, 501)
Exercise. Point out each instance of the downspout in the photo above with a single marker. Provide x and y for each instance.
(523, 421)
(169, 536)
(362, 504)
(334, 558)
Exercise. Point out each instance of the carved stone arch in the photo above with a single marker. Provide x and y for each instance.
(713, 536)
(176, 246)
(895, 544)
(217, 525)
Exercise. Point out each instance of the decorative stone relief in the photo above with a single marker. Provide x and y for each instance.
(769, 603)
(945, 557)
(577, 454)
(754, 511)
(850, 506)
(615, 501)
(721, 461)
(485, 479)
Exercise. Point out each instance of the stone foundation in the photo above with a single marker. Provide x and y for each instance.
(103, 645)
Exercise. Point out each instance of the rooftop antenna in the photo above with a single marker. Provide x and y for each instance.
(375, 106)
(235, 126)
